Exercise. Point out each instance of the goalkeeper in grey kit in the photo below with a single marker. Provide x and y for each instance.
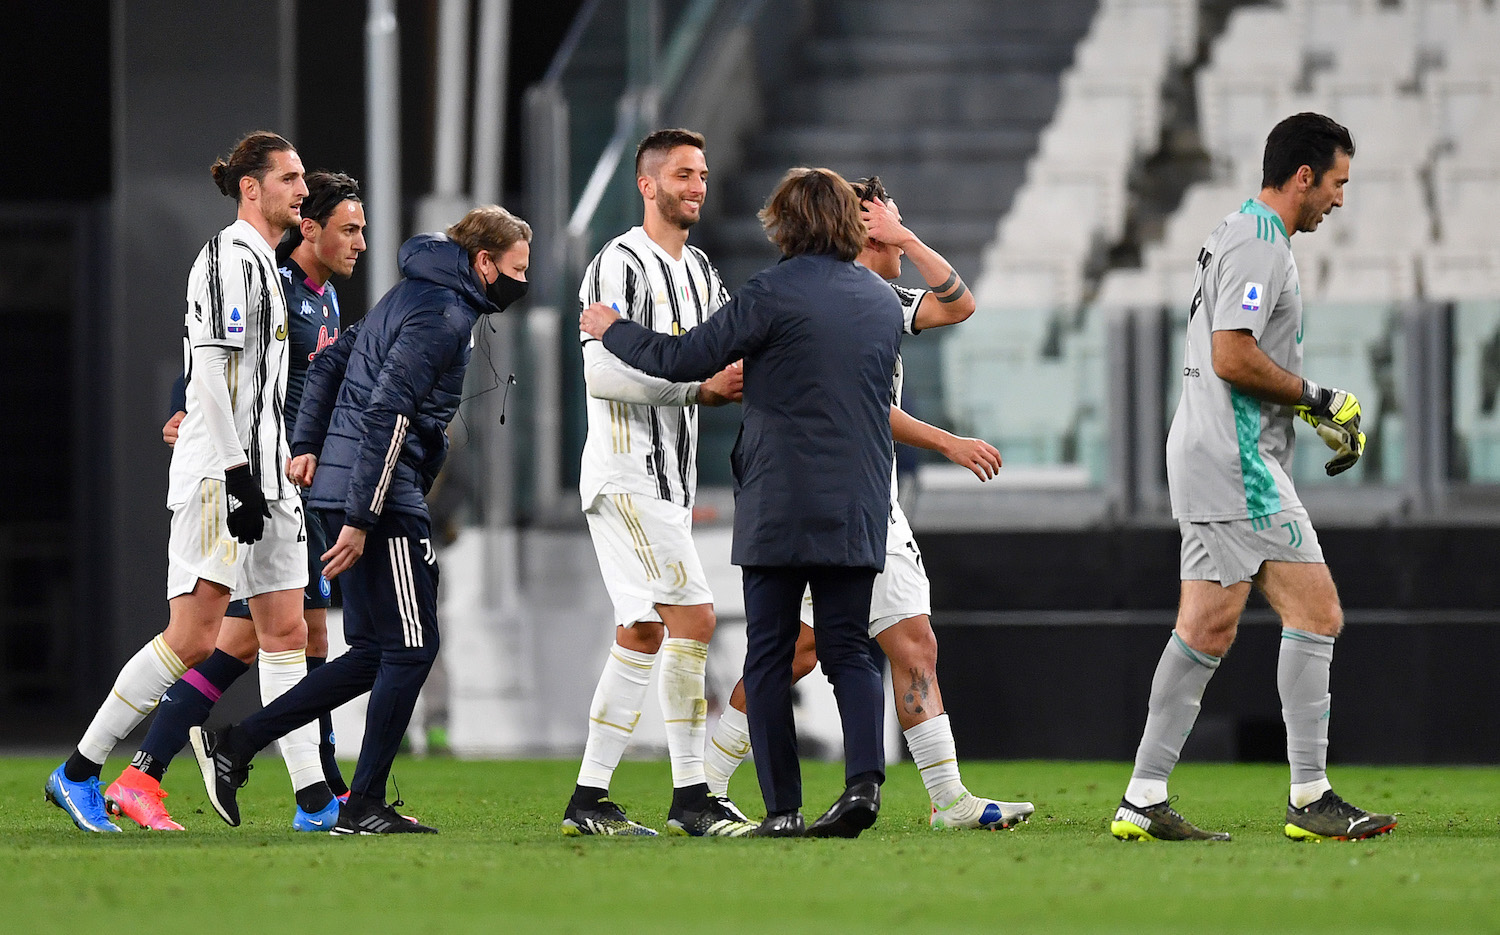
(1229, 456)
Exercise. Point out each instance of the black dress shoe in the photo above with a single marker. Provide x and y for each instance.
(854, 811)
(787, 825)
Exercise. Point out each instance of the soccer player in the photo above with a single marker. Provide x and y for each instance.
(1229, 459)
(638, 479)
(371, 438)
(237, 526)
(328, 241)
(901, 604)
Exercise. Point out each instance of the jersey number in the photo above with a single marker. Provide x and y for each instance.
(1204, 258)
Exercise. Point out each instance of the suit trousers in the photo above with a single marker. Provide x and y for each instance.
(390, 622)
(841, 613)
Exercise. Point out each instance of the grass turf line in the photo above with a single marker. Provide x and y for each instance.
(501, 862)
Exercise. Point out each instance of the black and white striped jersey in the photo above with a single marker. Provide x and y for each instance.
(634, 447)
(235, 302)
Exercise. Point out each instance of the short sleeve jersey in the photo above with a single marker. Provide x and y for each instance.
(633, 447)
(313, 324)
(234, 302)
(1229, 454)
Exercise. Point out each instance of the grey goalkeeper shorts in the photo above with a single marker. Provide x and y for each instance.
(1233, 551)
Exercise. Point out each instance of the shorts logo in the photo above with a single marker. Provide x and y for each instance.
(324, 588)
(1253, 293)
(236, 322)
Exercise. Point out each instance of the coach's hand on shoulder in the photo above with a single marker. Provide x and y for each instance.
(169, 431)
(247, 519)
(726, 386)
(1334, 414)
(596, 318)
(300, 470)
(345, 552)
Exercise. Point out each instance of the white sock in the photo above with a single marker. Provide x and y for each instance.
(1144, 793)
(615, 710)
(278, 673)
(1306, 793)
(137, 691)
(726, 750)
(931, 746)
(683, 708)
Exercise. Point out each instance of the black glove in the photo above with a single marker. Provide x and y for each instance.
(247, 521)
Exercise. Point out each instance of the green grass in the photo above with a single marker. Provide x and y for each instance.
(501, 866)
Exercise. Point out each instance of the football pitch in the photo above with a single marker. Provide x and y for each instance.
(500, 864)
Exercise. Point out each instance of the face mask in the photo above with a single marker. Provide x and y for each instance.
(504, 291)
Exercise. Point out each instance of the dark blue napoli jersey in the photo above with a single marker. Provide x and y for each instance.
(313, 323)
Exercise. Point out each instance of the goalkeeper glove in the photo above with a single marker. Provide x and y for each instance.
(247, 521)
(1335, 416)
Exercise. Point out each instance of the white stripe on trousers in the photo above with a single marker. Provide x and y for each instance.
(406, 591)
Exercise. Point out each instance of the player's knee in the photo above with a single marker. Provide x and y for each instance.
(283, 633)
(643, 637)
(911, 644)
(413, 656)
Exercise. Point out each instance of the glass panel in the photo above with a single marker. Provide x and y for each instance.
(1360, 348)
(1476, 383)
(1031, 382)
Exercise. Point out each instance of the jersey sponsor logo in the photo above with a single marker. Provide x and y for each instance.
(1191, 372)
(325, 338)
(1254, 292)
(236, 321)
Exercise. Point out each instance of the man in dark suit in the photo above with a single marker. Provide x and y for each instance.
(819, 336)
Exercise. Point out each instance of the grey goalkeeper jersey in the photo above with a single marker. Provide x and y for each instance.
(1229, 455)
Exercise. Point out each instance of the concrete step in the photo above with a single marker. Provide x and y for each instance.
(873, 55)
(798, 145)
(975, 100)
(949, 18)
(979, 188)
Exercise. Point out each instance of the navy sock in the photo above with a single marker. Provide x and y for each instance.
(326, 748)
(186, 704)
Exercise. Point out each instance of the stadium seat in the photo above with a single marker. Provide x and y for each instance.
(1366, 276)
(1174, 20)
(1378, 43)
(1457, 273)
(1470, 50)
(1390, 127)
(1457, 103)
(1467, 199)
(1383, 207)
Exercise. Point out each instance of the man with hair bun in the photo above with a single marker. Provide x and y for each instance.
(237, 526)
(371, 437)
(819, 335)
(327, 242)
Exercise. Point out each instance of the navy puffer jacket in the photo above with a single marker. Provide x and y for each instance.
(379, 399)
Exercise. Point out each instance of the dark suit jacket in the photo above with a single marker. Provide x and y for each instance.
(812, 465)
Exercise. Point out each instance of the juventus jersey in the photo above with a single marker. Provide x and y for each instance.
(633, 447)
(910, 299)
(235, 302)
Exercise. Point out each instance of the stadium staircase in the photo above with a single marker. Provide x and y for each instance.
(944, 101)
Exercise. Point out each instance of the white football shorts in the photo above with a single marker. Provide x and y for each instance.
(646, 555)
(902, 590)
(200, 546)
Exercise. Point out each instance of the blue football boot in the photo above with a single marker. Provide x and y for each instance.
(83, 801)
(322, 820)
